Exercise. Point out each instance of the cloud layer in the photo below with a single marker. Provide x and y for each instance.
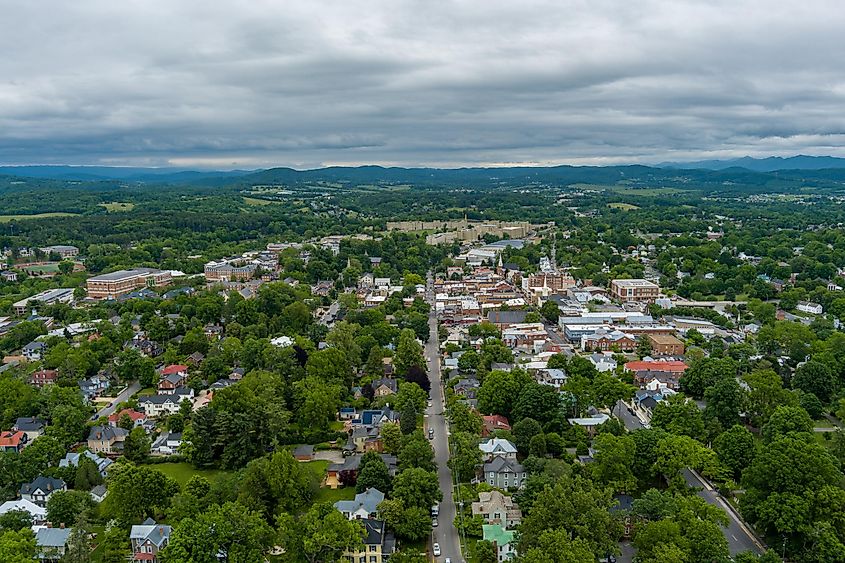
(434, 82)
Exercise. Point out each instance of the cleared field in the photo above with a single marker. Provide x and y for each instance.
(7, 218)
(117, 206)
(622, 206)
(182, 472)
(256, 201)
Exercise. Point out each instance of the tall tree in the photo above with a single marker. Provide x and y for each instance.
(321, 535)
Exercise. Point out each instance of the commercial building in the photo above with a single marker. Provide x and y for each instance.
(115, 284)
(49, 297)
(665, 345)
(63, 250)
(229, 271)
(634, 290)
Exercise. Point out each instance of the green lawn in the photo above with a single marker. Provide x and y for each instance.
(622, 206)
(256, 201)
(7, 218)
(118, 206)
(182, 472)
(325, 494)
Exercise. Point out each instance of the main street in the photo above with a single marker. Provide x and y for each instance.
(445, 533)
(738, 535)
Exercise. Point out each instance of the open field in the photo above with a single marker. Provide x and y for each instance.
(7, 218)
(116, 206)
(182, 472)
(622, 206)
(256, 201)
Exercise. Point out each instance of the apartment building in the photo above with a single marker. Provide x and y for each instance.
(115, 284)
(634, 290)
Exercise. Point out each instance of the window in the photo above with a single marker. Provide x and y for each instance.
(373, 547)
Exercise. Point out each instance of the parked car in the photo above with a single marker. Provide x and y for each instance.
(436, 549)
(434, 522)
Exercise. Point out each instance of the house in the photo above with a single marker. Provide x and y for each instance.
(809, 307)
(72, 459)
(157, 405)
(43, 377)
(503, 473)
(31, 426)
(602, 362)
(93, 386)
(590, 423)
(213, 332)
(137, 418)
(172, 377)
(378, 546)
(501, 539)
(551, 376)
(51, 543)
(498, 447)
(497, 508)
(494, 422)
(9, 276)
(34, 351)
(99, 493)
(38, 514)
(195, 359)
(668, 372)
(335, 472)
(303, 453)
(12, 441)
(148, 539)
(384, 387)
(107, 439)
(41, 489)
(364, 506)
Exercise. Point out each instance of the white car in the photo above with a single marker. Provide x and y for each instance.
(436, 549)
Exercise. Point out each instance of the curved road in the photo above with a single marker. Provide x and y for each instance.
(445, 533)
(121, 397)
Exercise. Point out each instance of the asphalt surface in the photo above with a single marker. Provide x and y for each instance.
(122, 396)
(739, 537)
(445, 534)
(629, 419)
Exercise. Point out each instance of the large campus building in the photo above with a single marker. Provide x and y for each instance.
(634, 290)
(115, 284)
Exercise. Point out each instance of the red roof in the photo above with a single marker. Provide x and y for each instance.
(494, 421)
(176, 368)
(131, 413)
(674, 366)
(11, 439)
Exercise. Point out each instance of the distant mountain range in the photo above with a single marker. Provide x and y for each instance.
(770, 164)
(125, 173)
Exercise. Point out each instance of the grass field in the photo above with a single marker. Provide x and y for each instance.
(44, 268)
(325, 494)
(7, 218)
(256, 201)
(182, 472)
(622, 206)
(117, 206)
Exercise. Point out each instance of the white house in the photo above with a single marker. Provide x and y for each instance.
(809, 307)
(498, 447)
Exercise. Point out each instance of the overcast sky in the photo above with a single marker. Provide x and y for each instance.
(478, 82)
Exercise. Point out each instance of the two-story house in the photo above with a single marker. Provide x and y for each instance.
(504, 473)
(148, 539)
(379, 543)
(497, 447)
(501, 539)
(157, 405)
(383, 387)
(106, 439)
(34, 351)
(172, 377)
(365, 505)
(137, 418)
(41, 489)
(31, 426)
(497, 508)
(12, 441)
(51, 543)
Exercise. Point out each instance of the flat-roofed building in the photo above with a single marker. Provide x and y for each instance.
(49, 297)
(63, 250)
(226, 270)
(665, 345)
(115, 284)
(634, 290)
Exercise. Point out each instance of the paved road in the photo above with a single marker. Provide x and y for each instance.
(739, 537)
(445, 533)
(122, 396)
(630, 420)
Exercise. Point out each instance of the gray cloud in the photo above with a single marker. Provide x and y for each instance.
(418, 82)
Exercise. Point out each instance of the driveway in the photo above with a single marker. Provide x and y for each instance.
(121, 397)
